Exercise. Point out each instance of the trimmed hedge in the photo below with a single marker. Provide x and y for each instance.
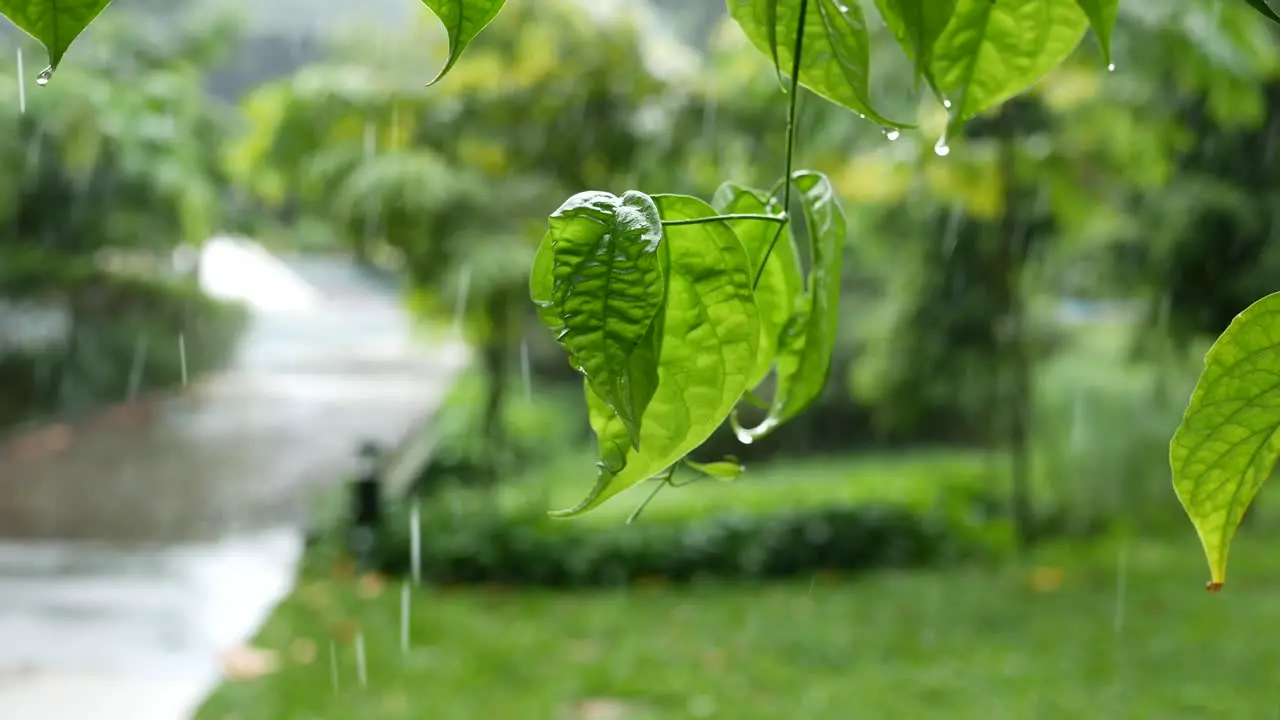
(532, 550)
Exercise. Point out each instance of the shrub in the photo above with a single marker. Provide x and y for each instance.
(128, 334)
(466, 545)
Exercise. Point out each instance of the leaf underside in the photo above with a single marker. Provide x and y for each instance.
(836, 55)
(54, 23)
(807, 339)
(1229, 439)
(991, 51)
(463, 20)
(705, 342)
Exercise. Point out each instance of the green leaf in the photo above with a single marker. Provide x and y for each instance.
(835, 58)
(807, 341)
(766, 16)
(1229, 439)
(607, 288)
(542, 285)
(55, 23)
(464, 20)
(1263, 7)
(992, 51)
(917, 25)
(1102, 18)
(781, 282)
(706, 340)
(727, 469)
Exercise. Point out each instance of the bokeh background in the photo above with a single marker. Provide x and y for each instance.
(975, 521)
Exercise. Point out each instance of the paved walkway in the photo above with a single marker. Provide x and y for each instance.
(146, 541)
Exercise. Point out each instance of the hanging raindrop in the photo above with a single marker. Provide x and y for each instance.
(44, 77)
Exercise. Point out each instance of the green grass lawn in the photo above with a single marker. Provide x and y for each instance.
(1068, 635)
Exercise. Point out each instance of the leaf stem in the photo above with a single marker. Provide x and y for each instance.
(730, 216)
(793, 93)
(662, 480)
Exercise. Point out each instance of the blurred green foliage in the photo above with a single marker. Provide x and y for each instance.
(104, 178)
(1129, 185)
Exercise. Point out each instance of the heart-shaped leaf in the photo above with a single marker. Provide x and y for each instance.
(606, 289)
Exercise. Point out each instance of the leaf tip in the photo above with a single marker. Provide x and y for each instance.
(1214, 586)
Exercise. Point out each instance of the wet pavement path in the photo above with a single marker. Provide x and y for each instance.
(139, 545)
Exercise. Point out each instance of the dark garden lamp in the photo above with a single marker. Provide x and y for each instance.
(366, 505)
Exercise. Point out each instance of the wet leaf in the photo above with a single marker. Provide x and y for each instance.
(1263, 7)
(1229, 439)
(606, 289)
(720, 470)
(781, 283)
(917, 25)
(807, 341)
(705, 342)
(1102, 18)
(55, 23)
(463, 20)
(542, 287)
(992, 51)
(835, 58)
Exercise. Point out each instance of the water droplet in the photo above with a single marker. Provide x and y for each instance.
(941, 149)
(946, 103)
(44, 77)
(891, 134)
(1111, 67)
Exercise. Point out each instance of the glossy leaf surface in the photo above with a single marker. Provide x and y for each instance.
(705, 342)
(606, 289)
